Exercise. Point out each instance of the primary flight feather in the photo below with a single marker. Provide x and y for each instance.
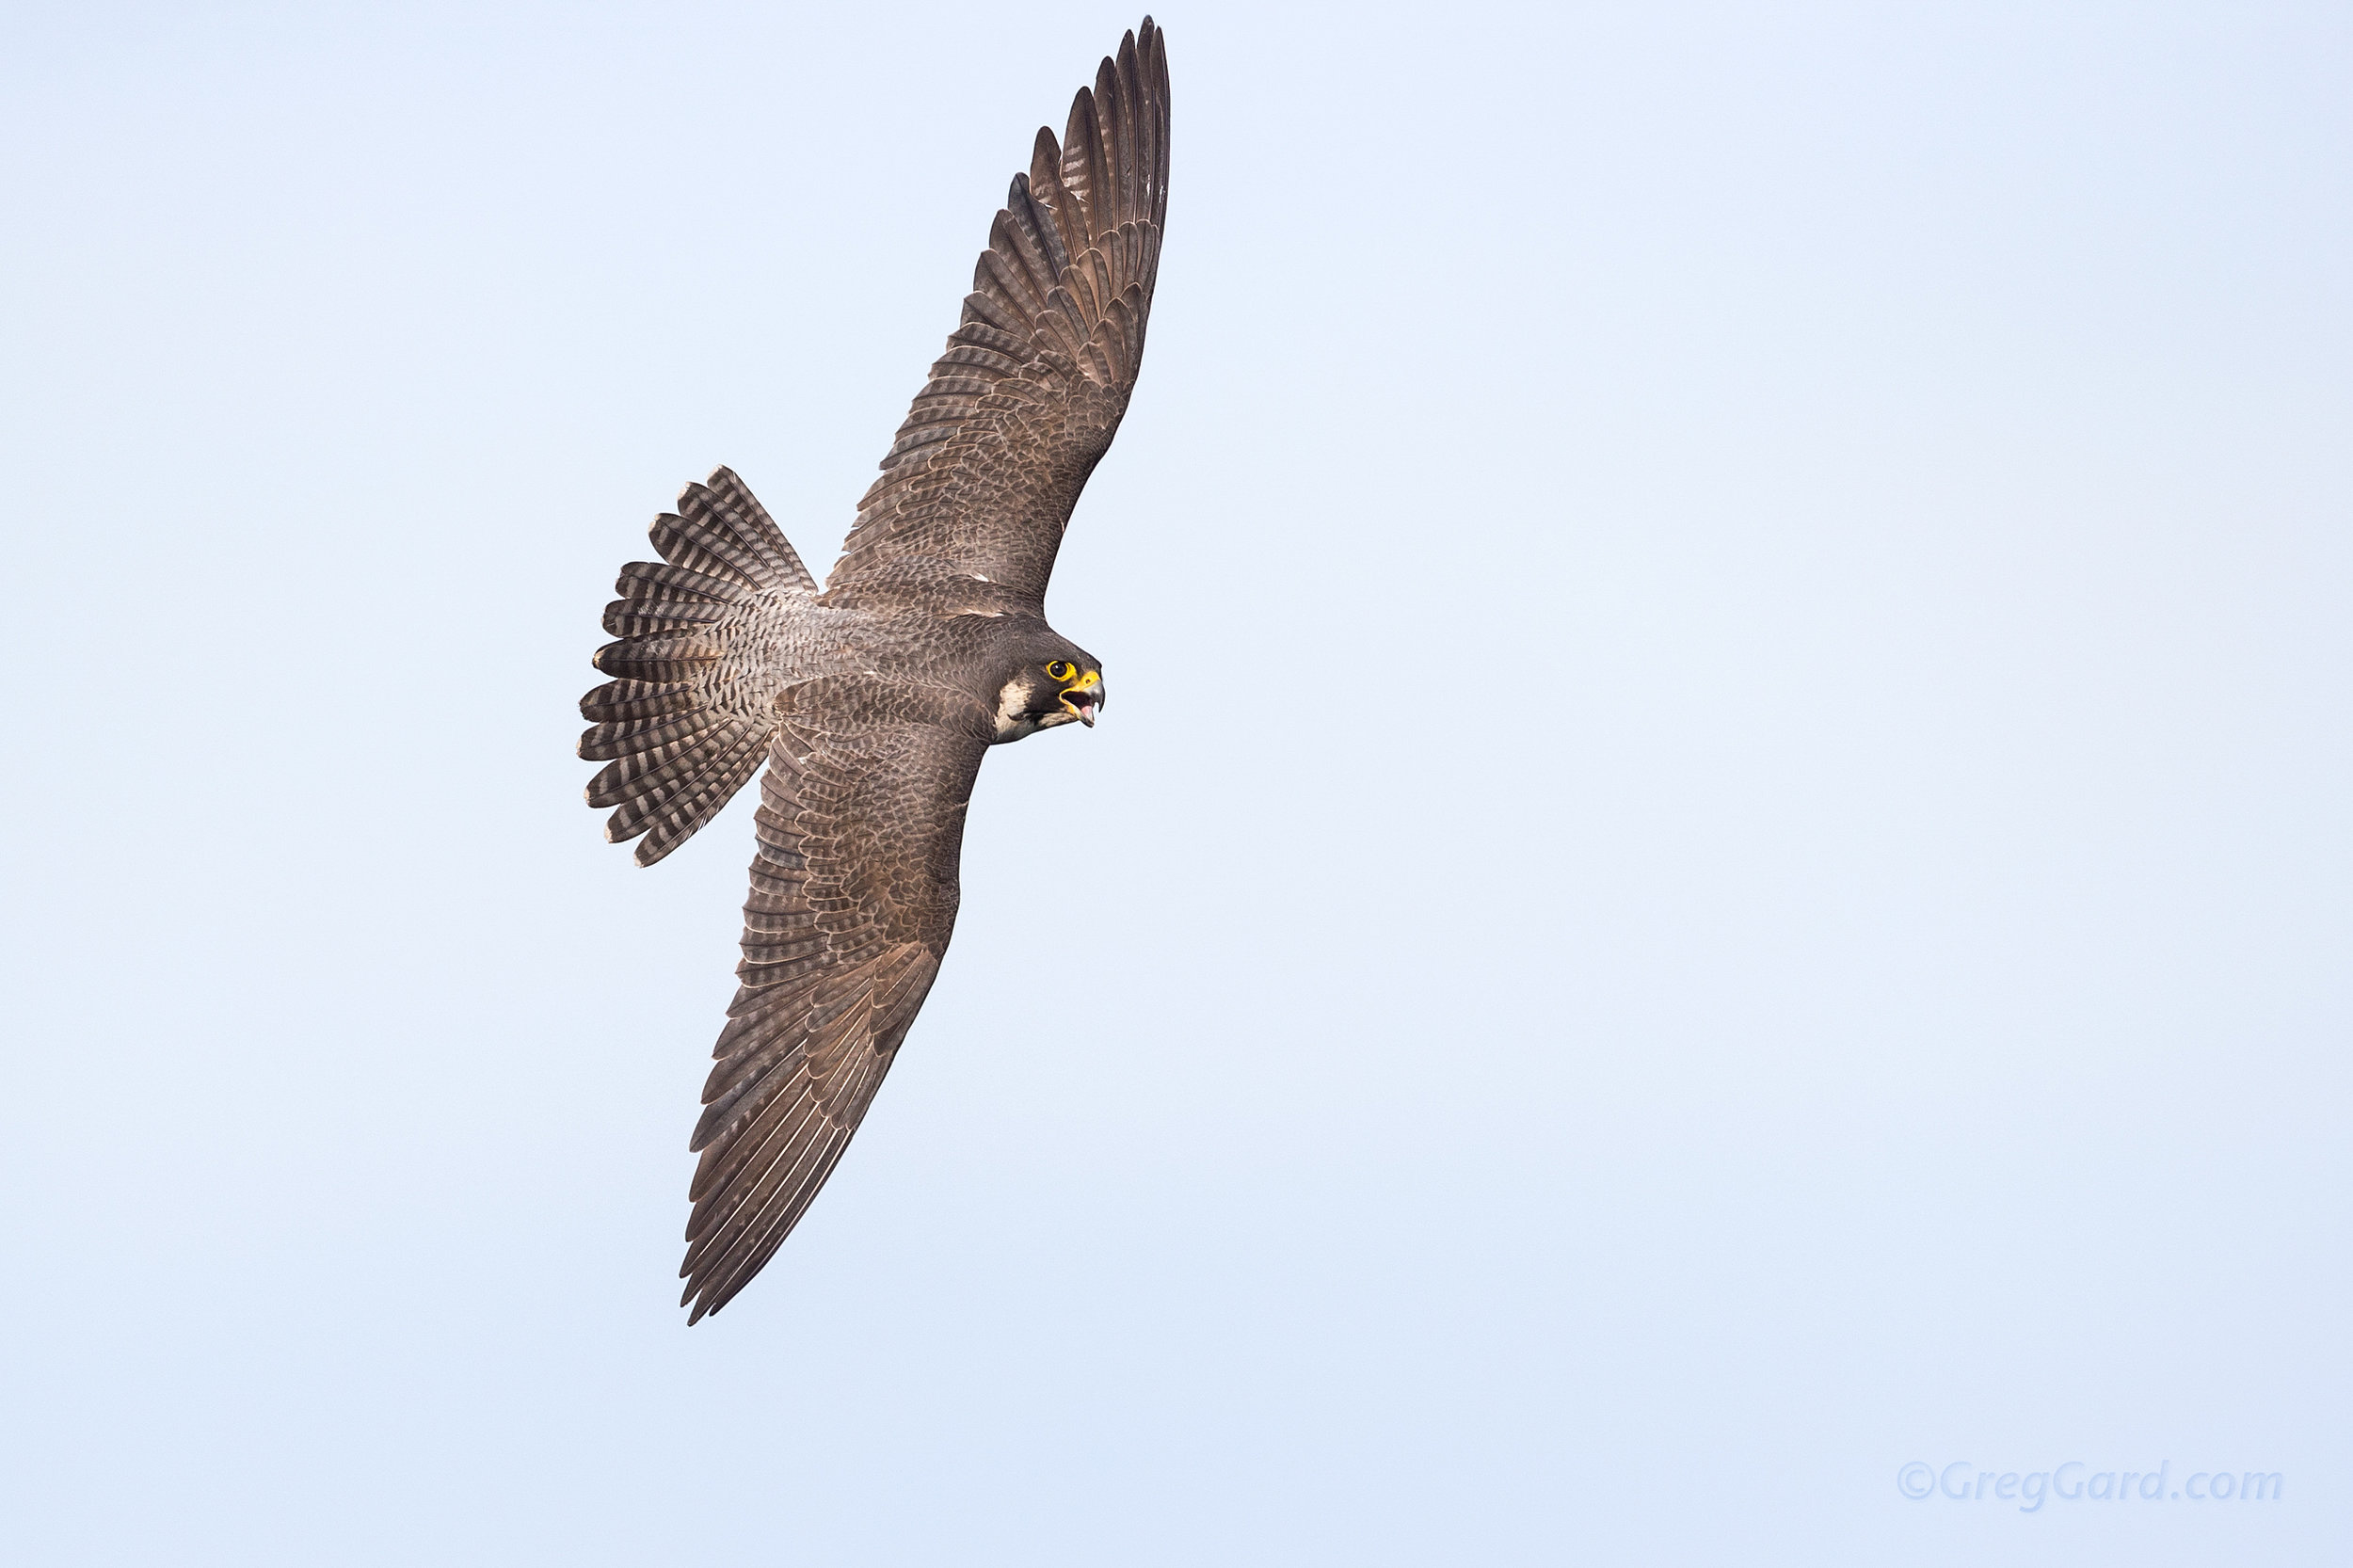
(872, 699)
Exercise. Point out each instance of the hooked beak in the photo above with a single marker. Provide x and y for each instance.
(1084, 700)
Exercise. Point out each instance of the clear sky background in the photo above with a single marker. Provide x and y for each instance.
(1721, 863)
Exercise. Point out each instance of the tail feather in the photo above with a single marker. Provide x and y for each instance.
(657, 581)
(624, 701)
(701, 548)
(661, 771)
(643, 617)
(750, 522)
(719, 531)
(609, 743)
(686, 719)
(660, 657)
(667, 815)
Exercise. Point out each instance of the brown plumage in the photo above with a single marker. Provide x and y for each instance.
(874, 700)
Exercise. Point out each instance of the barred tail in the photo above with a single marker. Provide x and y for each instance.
(687, 718)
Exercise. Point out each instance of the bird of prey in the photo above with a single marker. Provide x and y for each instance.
(872, 699)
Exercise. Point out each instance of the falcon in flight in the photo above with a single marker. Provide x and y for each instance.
(873, 698)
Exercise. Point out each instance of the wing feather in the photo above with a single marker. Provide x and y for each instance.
(852, 899)
(983, 472)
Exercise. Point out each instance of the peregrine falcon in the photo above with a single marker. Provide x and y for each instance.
(873, 698)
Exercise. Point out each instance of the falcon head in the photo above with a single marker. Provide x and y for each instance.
(1055, 686)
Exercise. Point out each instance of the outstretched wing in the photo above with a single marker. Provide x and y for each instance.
(854, 896)
(984, 473)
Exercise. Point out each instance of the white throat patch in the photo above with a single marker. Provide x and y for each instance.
(1012, 722)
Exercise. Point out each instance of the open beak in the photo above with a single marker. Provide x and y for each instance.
(1084, 701)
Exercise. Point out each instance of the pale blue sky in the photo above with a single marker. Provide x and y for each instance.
(1791, 918)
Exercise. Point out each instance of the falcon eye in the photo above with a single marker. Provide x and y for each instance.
(1060, 670)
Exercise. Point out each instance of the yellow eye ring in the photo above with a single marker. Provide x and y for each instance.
(1061, 671)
